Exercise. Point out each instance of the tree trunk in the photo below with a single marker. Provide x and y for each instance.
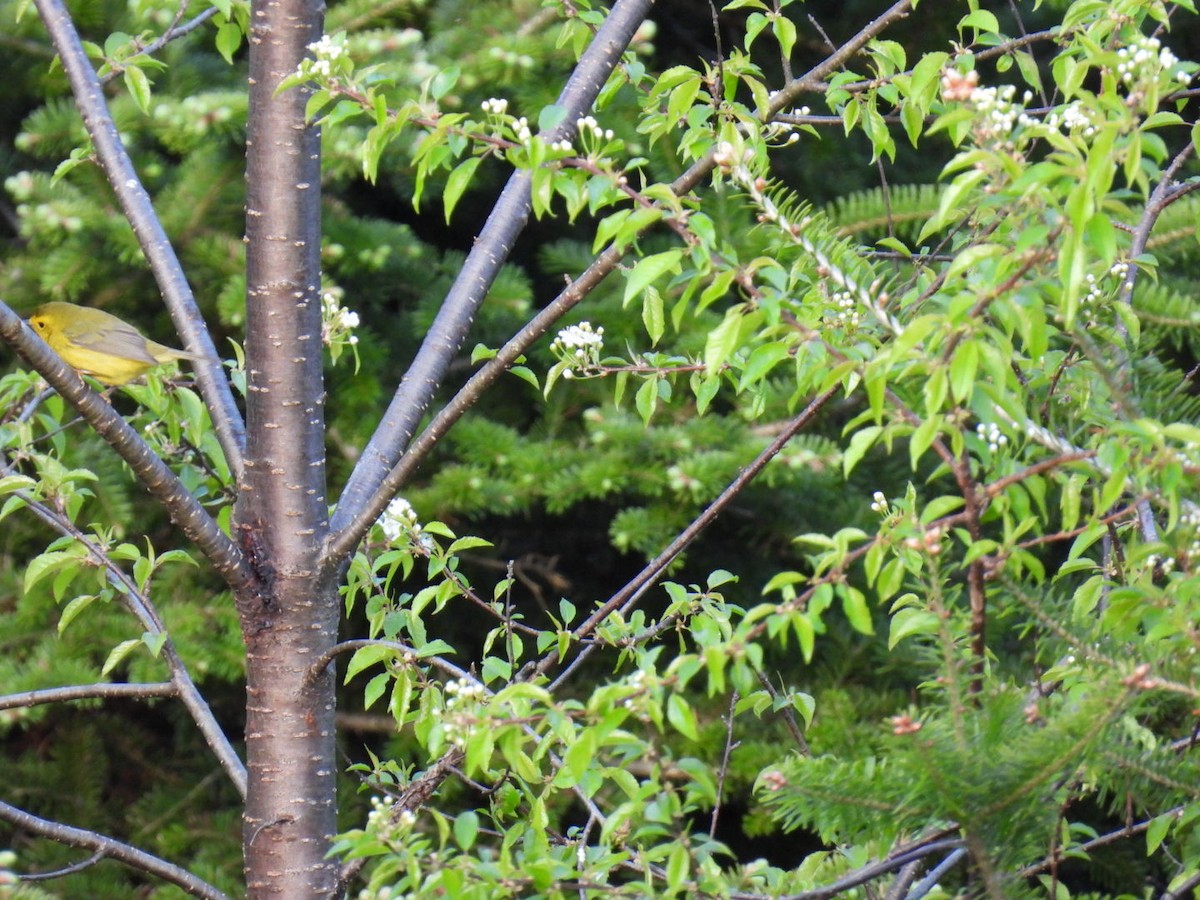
(281, 518)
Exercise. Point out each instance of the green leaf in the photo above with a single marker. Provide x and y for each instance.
(366, 656)
(963, 369)
(909, 623)
(229, 39)
(73, 609)
(138, 86)
(466, 828)
(375, 688)
(649, 268)
(457, 182)
(653, 316)
(118, 654)
(646, 399)
(680, 715)
(858, 614)
(1156, 832)
(785, 32)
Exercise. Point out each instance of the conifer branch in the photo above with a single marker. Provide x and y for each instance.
(111, 848)
(139, 210)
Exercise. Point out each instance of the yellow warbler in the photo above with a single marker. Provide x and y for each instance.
(99, 344)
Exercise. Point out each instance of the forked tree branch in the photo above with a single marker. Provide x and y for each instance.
(356, 513)
(449, 329)
(173, 32)
(105, 846)
(135, 203)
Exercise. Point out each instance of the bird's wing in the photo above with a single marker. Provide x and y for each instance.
(119, 339)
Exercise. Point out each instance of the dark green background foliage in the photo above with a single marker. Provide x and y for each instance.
(576, 491)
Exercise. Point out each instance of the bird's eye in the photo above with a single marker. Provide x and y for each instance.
(39, 324)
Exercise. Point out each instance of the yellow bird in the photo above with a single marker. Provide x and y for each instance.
(99, 344)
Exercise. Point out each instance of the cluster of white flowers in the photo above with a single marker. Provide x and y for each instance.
(326, 51)
(847, 312)
(400, 519)
(521, 130)
(337, 322)
(589, 126)
(879, 503)
(457, 723)
(382, 822)
(580, 346)
(1096, 288)
(1140, 57)
(999, 113)
(1072, 117)
(495, 106)
(991, 433)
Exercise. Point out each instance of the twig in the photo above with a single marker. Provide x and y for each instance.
(658, 565)
(111, 848)
(730, 744)
(174, 32)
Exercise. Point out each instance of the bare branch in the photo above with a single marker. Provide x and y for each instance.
(111, 848)
(135, 202)
(101, 691)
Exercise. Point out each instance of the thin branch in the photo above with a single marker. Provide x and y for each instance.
(143, 610)
(449, 329)
(113, 849)
(101, 691)
(192, 518)
(135, 203)
(929, 882)
(658, 565)
(408, 654)
(174, 32)
(730, 744)
(871, 871)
